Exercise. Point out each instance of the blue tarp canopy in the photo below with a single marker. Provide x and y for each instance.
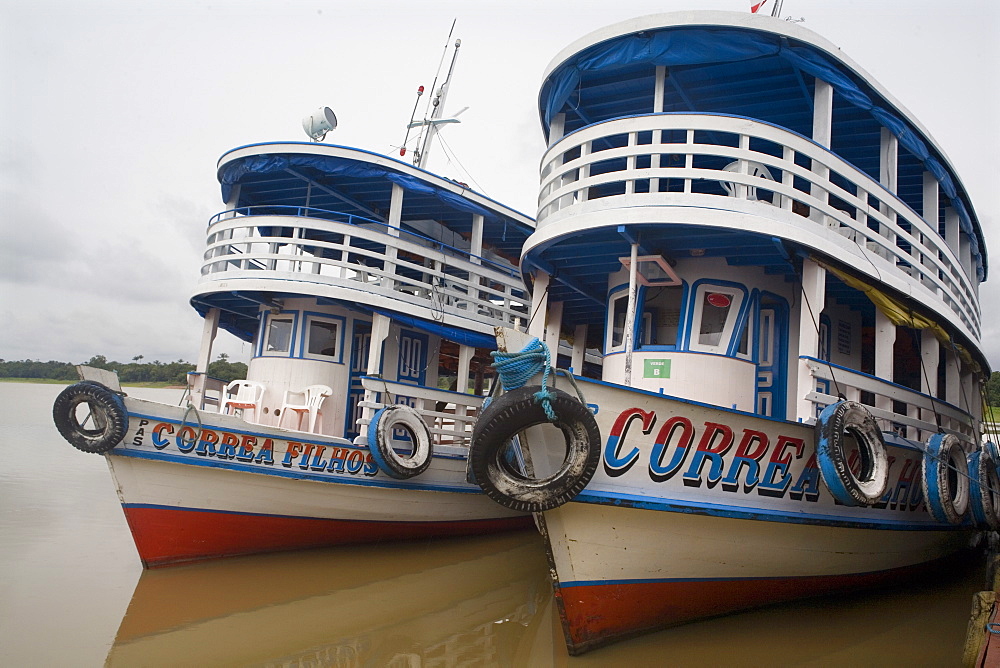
(359, 186)
(743, 72)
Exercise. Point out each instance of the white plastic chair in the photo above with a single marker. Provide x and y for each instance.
(248, 396)
(753, 169)
(311, 402)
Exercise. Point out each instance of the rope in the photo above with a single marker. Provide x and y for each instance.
(516, 369)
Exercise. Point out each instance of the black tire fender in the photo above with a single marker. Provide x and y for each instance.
(107, 413)
(837, 423)
(394, 465)
(512, 413)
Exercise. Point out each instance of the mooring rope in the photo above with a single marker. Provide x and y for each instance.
(516, 369)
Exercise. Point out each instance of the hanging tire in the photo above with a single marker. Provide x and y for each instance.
(990, 447)
(838, 424)
(945, 480)
(108, 416)
(394, 465)
(498, 473)
(984, 490)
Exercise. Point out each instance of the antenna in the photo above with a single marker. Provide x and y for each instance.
(319, 122)
(402, 148)
(432, 121)
(776, 9)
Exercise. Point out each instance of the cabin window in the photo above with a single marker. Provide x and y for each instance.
(278, 340)
(716, 316)
(616, 326)
(715, 309)
(323, 338)
(662, 315)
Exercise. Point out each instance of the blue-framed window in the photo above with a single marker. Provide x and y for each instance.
(323, 338)
(717, 310)
(662, 316)
(278, 335)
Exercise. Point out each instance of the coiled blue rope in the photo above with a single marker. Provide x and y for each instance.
(516, 369)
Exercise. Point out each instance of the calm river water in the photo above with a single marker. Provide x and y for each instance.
(73, 593)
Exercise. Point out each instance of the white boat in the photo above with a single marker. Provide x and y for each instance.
(370, 289)
(778, 270)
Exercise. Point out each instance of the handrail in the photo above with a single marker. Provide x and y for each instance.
(852, 383)
(390, 262)
(304, 212)
(448, 428)
(877, 220)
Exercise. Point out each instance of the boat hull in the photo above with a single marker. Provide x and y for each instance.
(627, 571)
(226, 487)
(697, 511)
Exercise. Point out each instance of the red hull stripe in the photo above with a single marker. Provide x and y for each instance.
(595, 615)
(165, 535)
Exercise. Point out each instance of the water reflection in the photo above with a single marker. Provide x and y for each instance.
(455, 602)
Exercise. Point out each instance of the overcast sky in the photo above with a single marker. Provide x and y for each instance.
(113, 114)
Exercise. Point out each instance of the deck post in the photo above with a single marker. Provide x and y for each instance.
(208, 331)
(579, 349)
(395, 216)
(813, 301)
(633, 272)
(822, 132)
(951, 229)
(885, 339)
(888, 178)
(553, 326)
(539, 305)
(930, 353)
(379, 333)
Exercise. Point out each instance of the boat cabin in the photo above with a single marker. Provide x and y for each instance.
(358, 274)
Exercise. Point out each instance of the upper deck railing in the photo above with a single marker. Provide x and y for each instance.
(317, 247)
(679, 158)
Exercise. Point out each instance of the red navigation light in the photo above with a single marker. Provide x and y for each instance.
(420, 91)
(402, 151)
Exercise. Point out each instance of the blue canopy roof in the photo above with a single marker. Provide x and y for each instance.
(750, 73)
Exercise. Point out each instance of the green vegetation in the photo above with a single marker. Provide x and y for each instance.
(993, 389)
(153, 374)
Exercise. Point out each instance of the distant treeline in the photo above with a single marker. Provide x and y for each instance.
(993, 389)
(135, 371)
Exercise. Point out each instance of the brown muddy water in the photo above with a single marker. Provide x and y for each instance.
(73, 593)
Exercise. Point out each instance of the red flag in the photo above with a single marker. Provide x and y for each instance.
(753, 10)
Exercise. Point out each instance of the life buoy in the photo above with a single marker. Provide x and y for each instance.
(984, 490)
(100, 430)
(945, 480)
(499, 475)
(840, 426)
(387, 420)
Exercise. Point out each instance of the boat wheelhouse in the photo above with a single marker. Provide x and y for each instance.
(370, 290)
(781, 270)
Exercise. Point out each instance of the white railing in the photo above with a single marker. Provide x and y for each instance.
(295, 243)
(662, 157)
(924, 415)
(450, 416)
(203, 391)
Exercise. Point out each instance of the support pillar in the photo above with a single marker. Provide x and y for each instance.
(885, 340)
(813, 302)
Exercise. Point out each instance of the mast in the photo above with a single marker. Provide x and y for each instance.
(434, 120)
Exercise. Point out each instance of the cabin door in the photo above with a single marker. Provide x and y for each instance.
(772, 356)
(361, 340)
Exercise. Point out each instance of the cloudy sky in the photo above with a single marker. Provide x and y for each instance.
(113, 114)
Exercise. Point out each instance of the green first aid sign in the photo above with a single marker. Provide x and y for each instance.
(656, 369)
